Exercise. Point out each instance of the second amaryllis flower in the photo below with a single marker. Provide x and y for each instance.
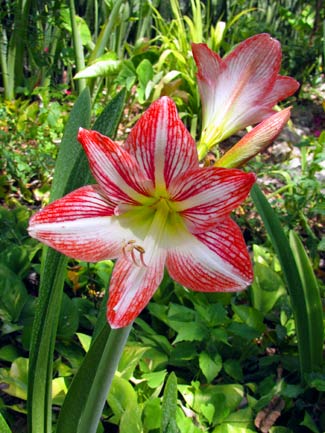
(241, 89)
(153, 206)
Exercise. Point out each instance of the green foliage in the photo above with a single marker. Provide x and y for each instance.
(194, 362)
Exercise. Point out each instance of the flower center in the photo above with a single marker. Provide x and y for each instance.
(156, 218)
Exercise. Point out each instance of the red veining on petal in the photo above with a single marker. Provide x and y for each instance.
(85, 202)
(131, 289)
(114, 168)
(160, 142)
(205, 195)
(78, 225)
(228, 242)
(225, 266)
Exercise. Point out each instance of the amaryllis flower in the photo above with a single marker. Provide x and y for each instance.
(153, 206)
(241, 89)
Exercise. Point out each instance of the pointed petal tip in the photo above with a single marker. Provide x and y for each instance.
(83, 134)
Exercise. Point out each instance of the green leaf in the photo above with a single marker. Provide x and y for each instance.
(210, 367)
(169, 406)
(144, 72)
(79, 392)
(308, 352)
(131, 419)
(16, 378)
(225, 397)
(314, 307)
(130, 359)
(234, 369)
(8, 353)
(85, 340)
(71, 172)
(16, 258)
(59, 390)
(13, 295)
(152, 414)
(127, 75)
(120, 396)
(266, 288)
(232, 428)
(4, 428)
(68, 319)
(250, 316)
(102, 67)
(155, 379)
(109, 118)
(309, 423)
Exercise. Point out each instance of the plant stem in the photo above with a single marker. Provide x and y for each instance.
(105, 373)
(77, 43)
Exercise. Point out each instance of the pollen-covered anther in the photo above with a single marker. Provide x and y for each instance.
(131, 250)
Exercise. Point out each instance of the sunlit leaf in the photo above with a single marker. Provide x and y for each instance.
(209, 366)
(102, 67)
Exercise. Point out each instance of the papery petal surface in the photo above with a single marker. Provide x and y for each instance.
(80, 225)
(205, 195)
(131, 288)
(115, 170)
(240, 89)
(282, 89)
(161, 144)
(212, 261)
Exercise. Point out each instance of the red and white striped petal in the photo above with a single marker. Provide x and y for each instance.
(80, 225)
(161, 144)
(205, 195)
(131, 288)
(255, 141)
(116, 171)
(215, 261)
(283, 88)
(241, 89)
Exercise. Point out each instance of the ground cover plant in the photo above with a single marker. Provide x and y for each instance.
(189, 358)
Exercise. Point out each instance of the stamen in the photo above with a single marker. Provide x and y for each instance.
(129, 250)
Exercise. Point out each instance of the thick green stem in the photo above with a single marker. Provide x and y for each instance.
(106, 33)
(105, 373)
(77, 43)
(7, 80)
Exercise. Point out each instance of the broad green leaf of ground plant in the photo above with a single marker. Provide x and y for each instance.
(4, 428)
(220, 400)
(13, 295)
(123, 398)
(16, 378)
(266, 288)
(209, 366)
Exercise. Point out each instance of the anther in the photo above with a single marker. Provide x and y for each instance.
(130, 248)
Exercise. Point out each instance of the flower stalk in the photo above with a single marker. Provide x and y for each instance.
(103, 379)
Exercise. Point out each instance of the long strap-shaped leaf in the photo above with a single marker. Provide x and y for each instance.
(305, 307)
(314, 317)
(71, 172)
(90, 380)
